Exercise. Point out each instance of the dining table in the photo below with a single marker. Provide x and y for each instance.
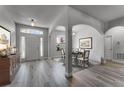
(75, 55)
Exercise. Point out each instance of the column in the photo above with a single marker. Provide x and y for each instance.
(68, 52)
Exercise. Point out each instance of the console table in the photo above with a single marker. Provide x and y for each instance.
(8, 68)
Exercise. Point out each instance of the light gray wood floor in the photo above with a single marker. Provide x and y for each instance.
(52, 74)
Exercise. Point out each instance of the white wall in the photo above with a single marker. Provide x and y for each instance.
(7, 22)
(83, 31)
(117, 34)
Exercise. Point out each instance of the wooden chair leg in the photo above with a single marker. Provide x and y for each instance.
(83, 64)
(88, 64)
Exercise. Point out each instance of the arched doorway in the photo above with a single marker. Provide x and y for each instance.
(56, 38)
(84, 31)
(117, 35)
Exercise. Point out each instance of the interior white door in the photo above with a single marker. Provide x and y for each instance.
(32, 47)
(108, 48)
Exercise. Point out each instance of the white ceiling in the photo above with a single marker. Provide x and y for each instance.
(43, 14)
(102, 12)
(46, 14)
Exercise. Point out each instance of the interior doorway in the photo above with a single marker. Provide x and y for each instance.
(31, 46)
(108, 48)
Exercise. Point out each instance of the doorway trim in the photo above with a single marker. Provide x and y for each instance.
(107, 36)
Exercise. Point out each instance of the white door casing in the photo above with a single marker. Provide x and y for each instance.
(108, 47)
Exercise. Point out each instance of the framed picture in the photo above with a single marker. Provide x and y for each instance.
(60, 39)
(5, 38)
(85, 43)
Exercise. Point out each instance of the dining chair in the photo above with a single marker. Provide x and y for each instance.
(79, 57)
(84, 59)
(63, 54)
(73, 57)
(81, 50)
(75, 54)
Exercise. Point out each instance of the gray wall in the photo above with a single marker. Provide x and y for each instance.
(45, 37)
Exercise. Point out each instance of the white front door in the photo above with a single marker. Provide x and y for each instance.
(32, 47)
(108, 48)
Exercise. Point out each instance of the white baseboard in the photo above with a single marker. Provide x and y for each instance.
(55, 57)
(118, 61)
(94, 62)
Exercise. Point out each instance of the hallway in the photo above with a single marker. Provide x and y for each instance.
(52, 74)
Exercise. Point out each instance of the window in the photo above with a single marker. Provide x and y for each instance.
(22, 50)
(32, 31)
(41, 46)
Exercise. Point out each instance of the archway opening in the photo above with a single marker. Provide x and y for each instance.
(83, 31)
(117, 34)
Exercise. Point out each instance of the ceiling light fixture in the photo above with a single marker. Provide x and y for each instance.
(32, 22)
